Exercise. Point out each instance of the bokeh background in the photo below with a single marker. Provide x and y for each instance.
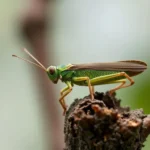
(82, 32)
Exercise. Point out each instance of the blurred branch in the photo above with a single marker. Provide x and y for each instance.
(34, 24)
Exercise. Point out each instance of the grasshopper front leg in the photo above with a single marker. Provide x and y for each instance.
(91, 89)
(64, 92)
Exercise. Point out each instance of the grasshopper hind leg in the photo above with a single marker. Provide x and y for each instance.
(112, 78)
(123, 82)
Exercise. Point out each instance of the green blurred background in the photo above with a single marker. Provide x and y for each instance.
(84, 31)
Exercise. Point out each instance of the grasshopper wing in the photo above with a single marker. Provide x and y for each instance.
(132, 66)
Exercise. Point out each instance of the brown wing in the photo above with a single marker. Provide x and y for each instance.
(128, 65)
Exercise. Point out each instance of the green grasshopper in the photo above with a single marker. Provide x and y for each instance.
(91, 74)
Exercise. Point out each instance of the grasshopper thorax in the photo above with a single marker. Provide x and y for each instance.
(53, 73)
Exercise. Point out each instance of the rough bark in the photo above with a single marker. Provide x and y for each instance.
(102, 124)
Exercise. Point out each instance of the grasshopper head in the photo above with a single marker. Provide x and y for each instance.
(52, 71)
(53, 74)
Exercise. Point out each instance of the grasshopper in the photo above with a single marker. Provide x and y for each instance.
(91, 74)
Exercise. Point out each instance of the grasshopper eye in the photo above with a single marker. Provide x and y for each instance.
(52, 70)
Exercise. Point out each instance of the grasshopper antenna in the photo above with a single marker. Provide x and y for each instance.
(26, 51)
(28, 61)
(38, 64)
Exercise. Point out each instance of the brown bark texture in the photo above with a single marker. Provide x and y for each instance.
(102, 124)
